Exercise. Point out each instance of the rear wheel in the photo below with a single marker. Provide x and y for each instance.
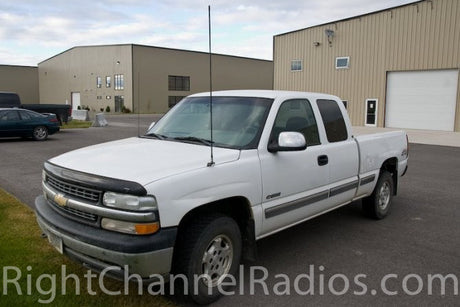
(378, 204)
(40, 133)
(208, 251)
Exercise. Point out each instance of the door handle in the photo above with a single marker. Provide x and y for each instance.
(323, 160)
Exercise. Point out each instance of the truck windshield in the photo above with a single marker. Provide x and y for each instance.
(237, 121)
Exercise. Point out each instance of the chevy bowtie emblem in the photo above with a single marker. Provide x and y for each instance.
(60, 200)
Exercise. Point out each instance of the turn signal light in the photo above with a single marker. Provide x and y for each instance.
(146, 229)
(130, 227)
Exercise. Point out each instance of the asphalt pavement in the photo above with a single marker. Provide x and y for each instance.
(402, 260)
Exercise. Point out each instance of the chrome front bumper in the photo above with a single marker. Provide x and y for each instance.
(104, 249)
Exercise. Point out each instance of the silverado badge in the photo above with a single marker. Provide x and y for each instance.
(60, 200)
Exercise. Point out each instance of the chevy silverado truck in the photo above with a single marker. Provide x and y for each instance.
(159, 204)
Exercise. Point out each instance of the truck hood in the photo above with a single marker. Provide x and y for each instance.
(142, 160)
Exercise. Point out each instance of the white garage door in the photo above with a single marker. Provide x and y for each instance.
(421, 99)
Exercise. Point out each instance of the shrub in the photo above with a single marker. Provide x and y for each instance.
(107, 109)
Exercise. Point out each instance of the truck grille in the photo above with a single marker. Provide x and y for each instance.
(75, 212)
(80, 192)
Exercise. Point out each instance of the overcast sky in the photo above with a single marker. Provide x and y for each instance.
(32, 31)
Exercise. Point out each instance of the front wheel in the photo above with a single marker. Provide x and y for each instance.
(40, 133)
(378, 204)
(208, 251)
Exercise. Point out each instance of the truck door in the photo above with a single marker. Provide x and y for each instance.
(294, 183)
(342, 153)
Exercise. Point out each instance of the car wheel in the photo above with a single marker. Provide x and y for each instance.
(208, 251)
(40, 133)
(378, 204)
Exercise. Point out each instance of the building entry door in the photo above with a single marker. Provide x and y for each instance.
(75, 100)
(119, 103)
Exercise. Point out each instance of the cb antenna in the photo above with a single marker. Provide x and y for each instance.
(138, 105)
(210, 163)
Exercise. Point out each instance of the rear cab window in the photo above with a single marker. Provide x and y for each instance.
(334, 123)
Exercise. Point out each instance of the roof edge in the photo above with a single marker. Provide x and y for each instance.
(353, 17)
(155, 47)
(21, 66)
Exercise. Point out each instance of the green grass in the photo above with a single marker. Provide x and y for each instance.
(22, 247)
(77, 124)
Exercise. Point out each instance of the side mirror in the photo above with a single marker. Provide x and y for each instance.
(151, 125)
(289, 141)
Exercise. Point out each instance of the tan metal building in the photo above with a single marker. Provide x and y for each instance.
(22, 80)
(397, 67)
(143, 78)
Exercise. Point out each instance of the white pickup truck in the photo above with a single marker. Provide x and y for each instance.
(159, 204)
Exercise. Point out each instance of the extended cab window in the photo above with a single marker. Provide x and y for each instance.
(296, 115)
(334, 123)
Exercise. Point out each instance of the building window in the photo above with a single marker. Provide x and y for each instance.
(342, 62)
(173, 100)
(334, 123)
(371, 112)
(108, 81)
(296, 65)
(345, 103)
(119, 82)
(98, 82)
(178, 83)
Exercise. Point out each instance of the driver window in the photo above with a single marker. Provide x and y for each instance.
(296, 115)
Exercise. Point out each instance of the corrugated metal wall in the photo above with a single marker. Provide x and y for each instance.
(152, 66)
(22, 80)
(421, 36)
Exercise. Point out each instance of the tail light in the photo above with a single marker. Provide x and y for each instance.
(53, 120)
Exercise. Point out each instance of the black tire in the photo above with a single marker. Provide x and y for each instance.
(378, 204)
(40, 133)
(210, 245)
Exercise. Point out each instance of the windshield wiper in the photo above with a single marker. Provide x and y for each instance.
(158, 136)
(193, 139)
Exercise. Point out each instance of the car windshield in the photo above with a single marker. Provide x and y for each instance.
(237, 121)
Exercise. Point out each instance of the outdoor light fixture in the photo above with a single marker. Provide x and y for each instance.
(330, 35)
(316, 44)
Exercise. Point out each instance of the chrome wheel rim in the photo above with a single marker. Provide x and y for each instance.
(384, 195)
(217, 260)
(39, 132)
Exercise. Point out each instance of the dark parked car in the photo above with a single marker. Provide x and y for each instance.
(16, 122)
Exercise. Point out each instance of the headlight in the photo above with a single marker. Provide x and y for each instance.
(129, 202)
